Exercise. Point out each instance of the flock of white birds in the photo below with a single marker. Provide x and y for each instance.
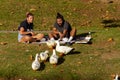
(43, 56)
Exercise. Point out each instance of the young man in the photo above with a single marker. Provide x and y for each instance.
(25, 29)
(62, 30)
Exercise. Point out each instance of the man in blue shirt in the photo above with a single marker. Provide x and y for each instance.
(25, 29)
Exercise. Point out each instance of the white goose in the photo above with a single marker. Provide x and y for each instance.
(63, 49)
(51, 43)
(53, 58)
(116, 77)
(36, 63)
(44, 55)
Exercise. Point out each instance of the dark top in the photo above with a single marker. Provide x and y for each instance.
(64, 26)
(26, 26)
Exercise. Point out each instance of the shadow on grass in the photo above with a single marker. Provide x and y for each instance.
(42, 66)
(111, 23)
(61, 60)
(83, 34)
(74, 52)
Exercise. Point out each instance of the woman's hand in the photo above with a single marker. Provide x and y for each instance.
(32, 33)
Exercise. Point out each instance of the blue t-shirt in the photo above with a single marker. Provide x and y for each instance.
(64, 26)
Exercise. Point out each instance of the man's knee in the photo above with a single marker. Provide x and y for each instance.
(39, 36)
(50, 34)
(74, 29)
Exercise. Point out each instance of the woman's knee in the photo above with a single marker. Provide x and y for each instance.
(26, 38)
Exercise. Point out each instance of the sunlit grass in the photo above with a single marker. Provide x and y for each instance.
(96, 61)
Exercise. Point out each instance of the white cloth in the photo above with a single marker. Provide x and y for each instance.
(65, 39)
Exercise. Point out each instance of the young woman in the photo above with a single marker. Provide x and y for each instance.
(25, 30)
(62, 30)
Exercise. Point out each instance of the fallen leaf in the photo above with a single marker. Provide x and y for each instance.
(31, 57)
(79, 62)
(3, 43)
(12, 12)
(74, 9)
(110, 40)
(1, 24)
(27, 50)
(32, 9)
(90, 1)
(61, 70)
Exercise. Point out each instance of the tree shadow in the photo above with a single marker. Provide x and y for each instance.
(111, 23)
(107, 21)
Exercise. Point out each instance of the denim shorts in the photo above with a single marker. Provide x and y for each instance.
(19, 37)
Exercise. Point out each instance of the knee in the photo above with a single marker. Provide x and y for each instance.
(40, 35)
(28, 38)
(25, 39)
(74, 29)
(49, 34)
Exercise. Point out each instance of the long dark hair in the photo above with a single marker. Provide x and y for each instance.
(59, 16)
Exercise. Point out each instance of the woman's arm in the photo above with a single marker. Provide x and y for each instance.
(22, 31)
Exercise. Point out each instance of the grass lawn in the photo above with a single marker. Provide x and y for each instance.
(96, 61)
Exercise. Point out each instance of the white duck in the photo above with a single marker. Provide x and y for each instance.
(116, 77)
(51, 43)
(53, 58)
(36, 63)
(44, 55)
(63, 49)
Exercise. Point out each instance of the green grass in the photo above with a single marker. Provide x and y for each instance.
(96, 61)
(89, 62)
(77, 12)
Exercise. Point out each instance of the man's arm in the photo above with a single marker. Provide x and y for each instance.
(55, 31)
(62, 34)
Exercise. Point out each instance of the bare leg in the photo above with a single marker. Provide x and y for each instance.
(52, 35)
(27, 39)
(72, 35)
(38, 36)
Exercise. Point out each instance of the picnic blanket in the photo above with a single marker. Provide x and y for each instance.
(78, 40)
